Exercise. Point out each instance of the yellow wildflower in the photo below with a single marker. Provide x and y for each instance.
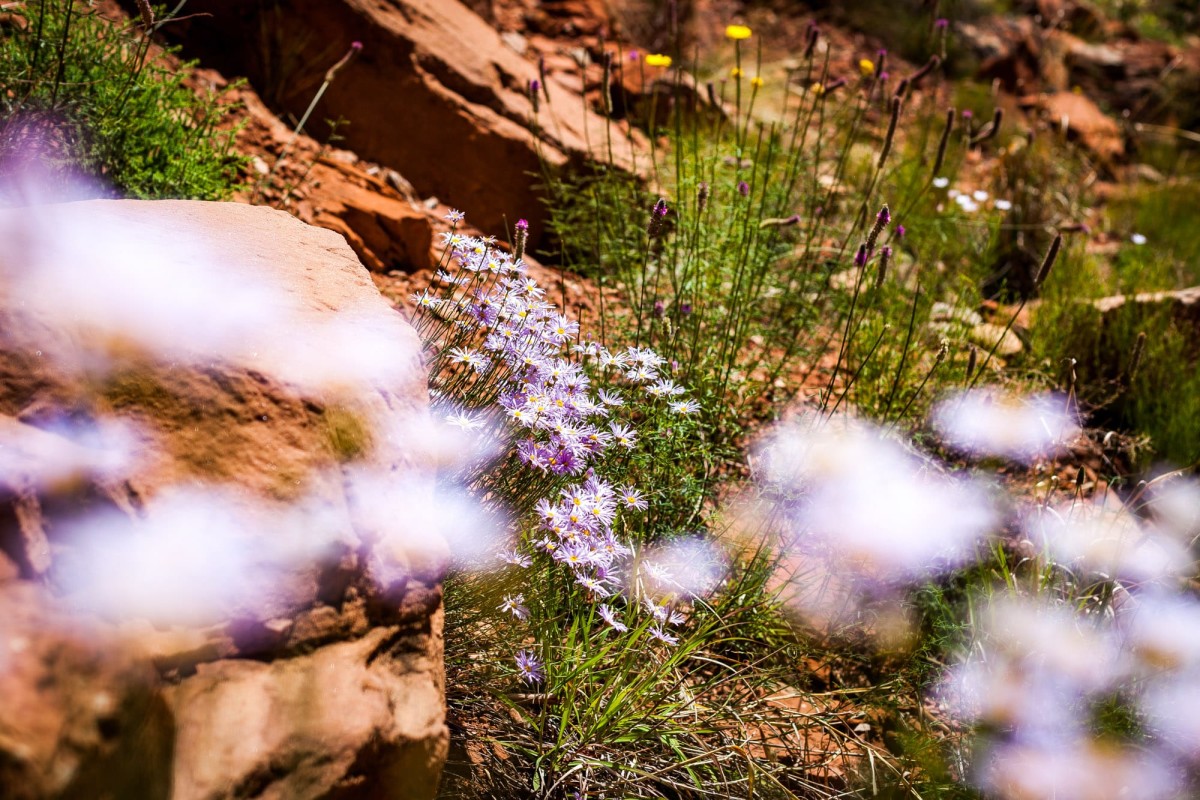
(866, 67)
(756, 81)
(736, 72)
(658, 60)
(817, 89)
(736, 32)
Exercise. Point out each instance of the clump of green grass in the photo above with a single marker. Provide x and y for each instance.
(1134, 361)
(84, 99)
(754, 251)
(1162, 214)
(752, 276)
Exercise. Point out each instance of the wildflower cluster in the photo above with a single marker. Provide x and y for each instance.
(1042, 669)
(1045, 672)
(566, 402)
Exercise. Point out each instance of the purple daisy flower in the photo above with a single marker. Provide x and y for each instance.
(515, 605)
(529, 667)
(657, 632)
(610, 616)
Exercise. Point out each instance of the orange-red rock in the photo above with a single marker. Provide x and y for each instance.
(1083, 120)
(435, 93)
(270, 640)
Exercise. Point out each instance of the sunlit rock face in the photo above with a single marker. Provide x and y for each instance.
(203, 596)
(435, 93)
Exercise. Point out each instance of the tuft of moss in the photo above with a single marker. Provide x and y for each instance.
(349, 435)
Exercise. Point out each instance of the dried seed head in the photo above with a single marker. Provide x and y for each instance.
(891, 132)
(814, 33)
(1048, 263)
(535, 87)
(991, 129)
(147, 13)
(972, 358)
(860, 258)
(885, 256)
(920, 74)
(520, 237)
(606, 85)
(1135, 357)
(945, 140)
(702, 197)
(780, 222)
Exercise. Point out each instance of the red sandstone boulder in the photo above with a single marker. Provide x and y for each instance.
(1083, 121)
(435, 93)
(80, 718)
(208, 420)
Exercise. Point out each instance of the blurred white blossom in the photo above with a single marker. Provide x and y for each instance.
(1108, 541)
(199, 557)
(690, 566)
(66, 452)
(985, 422)
(873, 506)
(1078, 769)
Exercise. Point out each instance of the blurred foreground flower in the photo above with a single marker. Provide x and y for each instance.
(200, 557)
(46, 458)
(1039, 662)
(1107, 541)
(163, 290)
(1076, 770)
(870, 505)
(984, 422)
(857, 519)
(690, 566)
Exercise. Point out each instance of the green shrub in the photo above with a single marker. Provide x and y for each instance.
(84, 97)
